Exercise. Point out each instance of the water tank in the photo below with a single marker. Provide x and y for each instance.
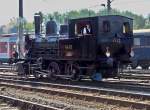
(51, 28)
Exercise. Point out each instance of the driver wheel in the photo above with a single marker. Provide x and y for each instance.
(54, 70)
(73, 70)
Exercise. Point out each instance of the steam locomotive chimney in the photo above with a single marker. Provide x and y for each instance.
(37, 22)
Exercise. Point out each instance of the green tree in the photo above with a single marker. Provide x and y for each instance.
(28, 27)
(58, 17)
(147, 24)
(86, 13)
(139, 20)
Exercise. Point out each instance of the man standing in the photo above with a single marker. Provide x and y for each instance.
(87, 29)
(15, 56)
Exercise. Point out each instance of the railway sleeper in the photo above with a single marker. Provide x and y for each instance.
(26, 105)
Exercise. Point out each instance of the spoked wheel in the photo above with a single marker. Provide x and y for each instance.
(37, 76)
(144, 67)
(54, 70)
(73, 70)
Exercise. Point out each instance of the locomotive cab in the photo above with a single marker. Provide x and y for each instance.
(95, 36)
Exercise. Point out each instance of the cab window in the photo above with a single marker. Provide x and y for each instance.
(83, 28)
(106, 26)
(126, 28)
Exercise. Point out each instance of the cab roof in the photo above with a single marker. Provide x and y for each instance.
(106, 16)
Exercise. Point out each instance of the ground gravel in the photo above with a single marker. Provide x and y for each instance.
(62, 102)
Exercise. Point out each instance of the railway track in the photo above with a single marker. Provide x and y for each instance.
(12, 103)
(126, 74)
(116, 84)
(134, 99)
(135, 74)
(7, 68)
(113, 84)
(6, 106)
(22, 104)
(136, 71)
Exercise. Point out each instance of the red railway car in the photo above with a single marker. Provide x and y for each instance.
(7, 46)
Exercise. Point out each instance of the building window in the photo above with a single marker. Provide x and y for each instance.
(106, 26)
(3, 47)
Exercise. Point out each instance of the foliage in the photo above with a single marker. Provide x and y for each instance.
(28, 27)
(12, 27)
(139, 21)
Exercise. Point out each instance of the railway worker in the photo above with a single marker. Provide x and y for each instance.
(87, 30)
(15, 56)
(28, 53)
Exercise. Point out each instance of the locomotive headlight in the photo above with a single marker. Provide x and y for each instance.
(132, 53)
(69, 53)
(107, 52)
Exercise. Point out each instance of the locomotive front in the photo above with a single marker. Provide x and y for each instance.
(114, 42)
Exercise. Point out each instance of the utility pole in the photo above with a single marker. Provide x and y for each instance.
(109, 6)
(20, 31)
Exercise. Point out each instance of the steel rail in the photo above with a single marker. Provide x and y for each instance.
(112, 85)
(140, 77)
(87, 97)
(26, 104)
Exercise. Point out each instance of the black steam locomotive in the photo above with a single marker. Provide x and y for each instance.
(93, 47)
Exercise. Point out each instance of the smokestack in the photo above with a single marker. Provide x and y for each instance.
(37, 22)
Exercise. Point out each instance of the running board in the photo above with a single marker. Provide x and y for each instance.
(64, 76)
(41, 72)
(86, 67)
(69, 76)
